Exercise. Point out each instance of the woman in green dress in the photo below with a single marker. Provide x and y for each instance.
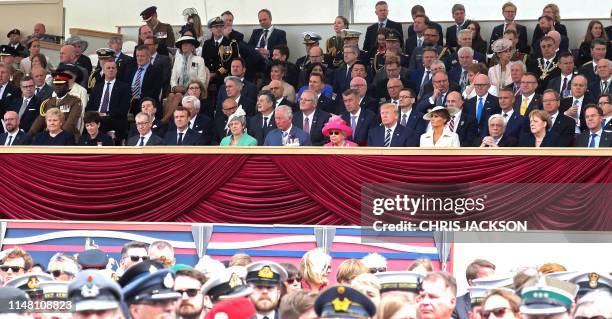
(237, 126)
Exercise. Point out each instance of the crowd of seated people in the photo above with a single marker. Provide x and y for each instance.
(148, 282)
(396, 90)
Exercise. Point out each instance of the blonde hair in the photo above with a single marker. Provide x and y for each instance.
(55, 112)
(542, 115)
(307, 270)
(555, 10)
(424, 262)
(550, 268)
(349, 269)
(393, 302)
(240, 259)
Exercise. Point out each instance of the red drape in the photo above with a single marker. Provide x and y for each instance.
(281, 189)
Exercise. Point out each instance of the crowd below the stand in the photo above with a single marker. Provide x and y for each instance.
(423, 87)
(147, 282)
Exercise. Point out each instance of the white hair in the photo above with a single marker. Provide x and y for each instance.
(209, 266)
(497, 116)
(469, 50)
(192, 99)
(374, 260)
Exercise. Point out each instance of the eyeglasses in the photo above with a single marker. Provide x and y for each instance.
(137, 258)
(549, 101)
(13, 268)
(189, 292)
(529, 82)
(379, 269)
(57, 273)
(334, 133)
(327, 268)
(293, 280)
(141, 123)
(230, 108)
(405, 97)
(497, 312)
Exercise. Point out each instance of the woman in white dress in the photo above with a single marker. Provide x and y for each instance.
(187, 66)
(499, 74)
(440, 135)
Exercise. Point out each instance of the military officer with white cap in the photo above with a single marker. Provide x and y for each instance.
(311, 39)
(408, 281)
(265, 278)
(95, 295)
(550, 298)
(591, 281)
(344, 302)
(226, 284)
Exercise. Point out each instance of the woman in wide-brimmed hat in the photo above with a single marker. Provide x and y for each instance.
(440, 135)
(187, 66)
(337, 131)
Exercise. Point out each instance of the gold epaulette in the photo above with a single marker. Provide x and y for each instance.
(43, 105)
(442, 53)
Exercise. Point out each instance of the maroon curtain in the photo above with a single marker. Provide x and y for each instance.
(281, 189)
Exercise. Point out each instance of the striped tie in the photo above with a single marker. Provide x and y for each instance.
(388, 138)
(136, 86)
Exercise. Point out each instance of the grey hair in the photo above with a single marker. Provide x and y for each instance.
(469, 50)
(435, 62)
(115, 40)
(234, 79)
(141, 114)
(353, 47)
(497, 116)
(314, 95)
(192, 99)
(464, 31)
(286, 110)
(523, 66)
(241, 119)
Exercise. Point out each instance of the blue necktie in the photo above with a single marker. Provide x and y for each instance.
(479, 109)
(592, 142)
(388, 138)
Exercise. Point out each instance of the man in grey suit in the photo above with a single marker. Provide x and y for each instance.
(595, 136)
(144, 122)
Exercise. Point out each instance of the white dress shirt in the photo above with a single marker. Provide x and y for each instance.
(447, 139)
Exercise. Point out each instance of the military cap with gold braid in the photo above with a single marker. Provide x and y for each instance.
(61, 77)
(399, 281)
(30, 283)
(226, 284)
(265, 273)
(54, 290)
(343, 302)
(591, 281)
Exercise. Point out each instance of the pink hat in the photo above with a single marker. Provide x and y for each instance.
(337, 123)
(238, 308)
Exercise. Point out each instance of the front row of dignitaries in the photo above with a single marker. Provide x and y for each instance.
(402, 124)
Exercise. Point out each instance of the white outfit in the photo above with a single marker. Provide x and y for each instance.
(195, 65)
(448, 139)
(499, 80)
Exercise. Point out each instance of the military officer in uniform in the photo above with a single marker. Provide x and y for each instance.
(93, 292)
(265, 278)
(351, 37)
(226, 284)
(8, 56)
(393, 44)
(70, 105)
(311, 39)
(549, 298)
(30, 283)
(162, 31)
(15, 42)
(218, 52)
(344, 302)
(104, 54)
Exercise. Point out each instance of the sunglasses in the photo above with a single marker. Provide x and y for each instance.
(375, 270)
(57, 273)
(293, 280)
(497, 312)
(189, 292)
(334, 133)
(137, 258)
(594, 317)
(13, 268)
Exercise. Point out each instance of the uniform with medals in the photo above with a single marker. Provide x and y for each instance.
(16, 74)
(333, 45)
(69, 105)
(218, 58)
(351, 37)
(378, 61)
(162, 31)
(97, 76)
(312, 39)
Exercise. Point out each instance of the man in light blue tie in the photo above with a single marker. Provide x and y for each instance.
(483, 105)
(595, 136)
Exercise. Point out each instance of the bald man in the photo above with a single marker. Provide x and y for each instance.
(483, 105)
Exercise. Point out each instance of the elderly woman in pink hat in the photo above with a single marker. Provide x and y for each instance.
(338, 131)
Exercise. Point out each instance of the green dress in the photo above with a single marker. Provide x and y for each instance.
(245, 140)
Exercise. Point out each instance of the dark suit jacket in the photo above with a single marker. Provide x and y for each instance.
(588, 71)
(151, 84)
(236, 35)
(341, 81)
(417, 76)
(436, 25)
(466, 128)
(365, 122)
(423, 105)
(534, 104)
(595, 89)
(451, 34)
(326, 104)
(538, 34)
(163, 63)
(532, 66)
(118, 106)
(319, 119)
(294, 106)
(249, 91)
(124, 66)
(516, 125)
(463, 307)
(11, 92)
(219, 131)
(415, 122)
(402, 137)
(564, 126)
(32, 111)
(202, 125)
(567, 103)
(20, 139)
(498, 33)
(491, 106)
(256, 128)
(191, 137)
(582, 139)
(369, 103)
(45, 92)
(505, 141)
(551, 139)
(275, 38)
(153, 140)
(370, 39)
(555, 84)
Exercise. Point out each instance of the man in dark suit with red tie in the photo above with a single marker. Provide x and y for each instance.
(263, 122)
(462, 123)
(268, 36)
(111, 99)
(361, 120)
(382, 11)
(310, 118)
(145, 80)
